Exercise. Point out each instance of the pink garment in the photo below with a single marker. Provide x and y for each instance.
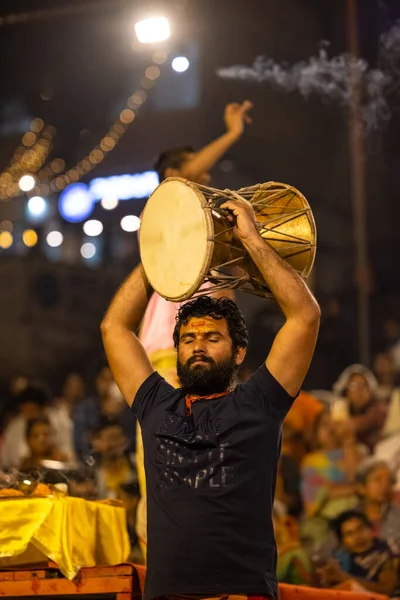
(158, 324)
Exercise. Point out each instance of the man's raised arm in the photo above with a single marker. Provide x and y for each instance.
(291, 353)
(127, 358)
(236, 115)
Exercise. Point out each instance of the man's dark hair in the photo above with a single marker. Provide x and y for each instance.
(33, 422)
(345, 516)
(216, 308)
(171, 159)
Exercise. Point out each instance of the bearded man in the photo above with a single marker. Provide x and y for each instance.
(211, 451)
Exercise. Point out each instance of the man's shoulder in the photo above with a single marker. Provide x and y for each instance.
(263, 381)
(157, 381)
(154, 392)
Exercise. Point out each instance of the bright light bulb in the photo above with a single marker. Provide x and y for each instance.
(88, 250)
(36, 206)
(54, 239)
(130, 223)
(152, 30)
(109, 202)
(180, 64)
(26, 183)
(93, 227)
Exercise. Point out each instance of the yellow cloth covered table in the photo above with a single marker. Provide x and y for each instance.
(72, 532)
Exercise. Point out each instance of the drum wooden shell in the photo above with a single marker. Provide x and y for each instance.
(185, 239)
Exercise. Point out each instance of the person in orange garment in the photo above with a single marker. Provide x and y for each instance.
(159, 320)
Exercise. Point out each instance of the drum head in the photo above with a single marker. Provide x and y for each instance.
(176, 239)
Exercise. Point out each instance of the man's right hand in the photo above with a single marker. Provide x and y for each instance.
(236, 115)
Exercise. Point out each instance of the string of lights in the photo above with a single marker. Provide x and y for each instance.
(120, 126)
(28, 158)
(52, 178)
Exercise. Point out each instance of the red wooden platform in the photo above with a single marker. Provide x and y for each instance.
(120, 581)
(124, 582)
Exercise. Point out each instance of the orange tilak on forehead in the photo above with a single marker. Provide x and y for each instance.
(202, 326)
(199, 324)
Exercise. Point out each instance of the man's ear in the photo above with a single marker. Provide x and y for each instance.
(240, 355)
(170, 172)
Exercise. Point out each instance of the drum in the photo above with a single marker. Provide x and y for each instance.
(186, 241)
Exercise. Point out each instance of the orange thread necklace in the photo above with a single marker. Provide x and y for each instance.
(189, 399)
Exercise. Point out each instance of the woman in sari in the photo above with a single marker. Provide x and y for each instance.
(327, 476)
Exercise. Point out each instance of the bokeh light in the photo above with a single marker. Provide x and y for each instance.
(29, 139)
(118, 128)
(152, 30)
(93, 227)
(109, 202)
(180, 64)
(26, 183)
(36, 206)
(159, 57)
(107, 144)
(130, 223)
(75, 203)
(54, 239)
(37, 125)
(6, 226)
(60, 183)
(73, 175)
(137, 98)
(127, 115)
(88, 250)
(152, 73)
(57, 165)
(30, 238)
(6, 239)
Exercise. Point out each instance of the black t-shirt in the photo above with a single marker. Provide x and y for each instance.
(210, 487)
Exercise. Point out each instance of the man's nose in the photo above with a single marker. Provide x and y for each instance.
(198, 347)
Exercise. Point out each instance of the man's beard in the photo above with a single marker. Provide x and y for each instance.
(204, 379)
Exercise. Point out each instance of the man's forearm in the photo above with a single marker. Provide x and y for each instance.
(205, 159)
(130, 302)
(288, 288)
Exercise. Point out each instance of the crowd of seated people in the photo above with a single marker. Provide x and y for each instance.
(337, 506)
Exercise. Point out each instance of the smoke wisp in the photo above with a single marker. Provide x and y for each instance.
(329, 77)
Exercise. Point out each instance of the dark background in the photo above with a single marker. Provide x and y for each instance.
(75, 70)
